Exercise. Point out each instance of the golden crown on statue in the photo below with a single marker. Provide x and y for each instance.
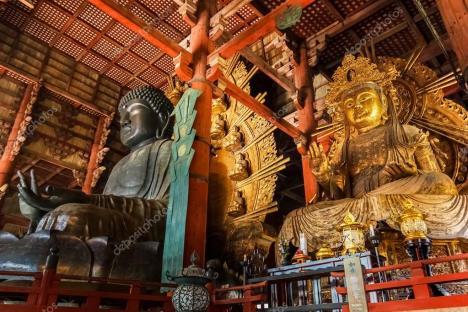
(358, 71)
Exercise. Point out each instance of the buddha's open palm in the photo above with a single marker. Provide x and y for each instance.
(319, 163)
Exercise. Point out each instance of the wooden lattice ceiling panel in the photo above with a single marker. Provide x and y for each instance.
(336, 47)
(13, 16)
(131, 63)
(95, 62)
(51, 16)
(166, 64)
(68, 46)
(385, 19)
(145, 49)
(348, 7)
(314, 18)
(152, 76)
(119, 75)
(40, 31)
(80, 32)
(69, 5)
(95, 17)
(397, 45)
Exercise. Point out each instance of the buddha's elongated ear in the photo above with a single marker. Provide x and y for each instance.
(165, 131)
(384, 101)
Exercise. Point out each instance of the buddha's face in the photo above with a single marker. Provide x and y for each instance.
(363, 108)
(137, 123)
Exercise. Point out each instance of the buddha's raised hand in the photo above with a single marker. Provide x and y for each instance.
(54, 197)
(319, 162)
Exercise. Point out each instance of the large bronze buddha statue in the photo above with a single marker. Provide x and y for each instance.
(375, 165)
(135, 198)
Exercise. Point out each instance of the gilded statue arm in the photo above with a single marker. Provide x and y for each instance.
(331, 180)
(424, 155)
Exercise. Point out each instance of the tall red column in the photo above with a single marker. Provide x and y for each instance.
(455, 16)
(305, 114)
(93, 157)
(195, 229)
(15, 139)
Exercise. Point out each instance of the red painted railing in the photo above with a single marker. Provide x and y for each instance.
(418, 282)
(47, 287)
(249, 296)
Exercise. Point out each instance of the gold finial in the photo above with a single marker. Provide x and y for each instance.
(356, 71)
(349, 218)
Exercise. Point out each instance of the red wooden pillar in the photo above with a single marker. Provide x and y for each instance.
(455, 16)
(195, 229)
(7, 161)
(305, 114)
(93, 157)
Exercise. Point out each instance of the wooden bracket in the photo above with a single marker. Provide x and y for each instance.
(188, 9)
(182, 66)
(218, 26)
(217, 66)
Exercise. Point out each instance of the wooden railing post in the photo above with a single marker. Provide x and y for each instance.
(418, 271)
(133, 304)
(248, 306)
(48, 277)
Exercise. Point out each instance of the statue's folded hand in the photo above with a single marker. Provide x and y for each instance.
(394, 171)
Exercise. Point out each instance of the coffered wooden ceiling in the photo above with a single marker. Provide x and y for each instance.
(92, 37)
(118, 59)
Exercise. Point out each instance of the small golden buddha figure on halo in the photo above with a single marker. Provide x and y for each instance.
(241, 168)
(218, 126)
(237, 207)
(234, 140)
(375, 165)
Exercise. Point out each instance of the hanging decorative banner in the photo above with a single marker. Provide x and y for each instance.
(182, 155)
(355, 284)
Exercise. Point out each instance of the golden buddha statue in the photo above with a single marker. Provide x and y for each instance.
(241, 168)
(237, 207)
(375, 165)
(234, 140)
(218, 131)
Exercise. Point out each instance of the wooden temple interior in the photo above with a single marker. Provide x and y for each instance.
(65, 65)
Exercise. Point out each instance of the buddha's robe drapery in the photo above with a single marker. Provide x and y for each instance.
(376, 198)
(135, 196)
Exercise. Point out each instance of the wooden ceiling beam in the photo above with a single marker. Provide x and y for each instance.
(352, 20)
(79, 102)
(141, 71)
(136, 24)
(414, 28)
(433, 49)
(50, 176)
(256, 106)
(31, 164)
(71, 19)
(264, 26)
(267, 69)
